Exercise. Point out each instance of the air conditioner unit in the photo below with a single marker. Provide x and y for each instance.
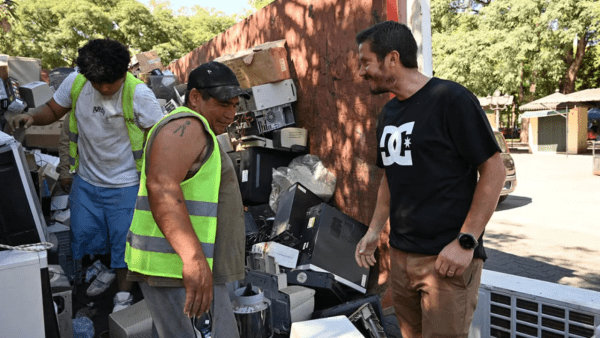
(517, 307)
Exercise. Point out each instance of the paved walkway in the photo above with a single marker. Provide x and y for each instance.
(549, 228)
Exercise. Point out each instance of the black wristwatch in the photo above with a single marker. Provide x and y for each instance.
(467, 241)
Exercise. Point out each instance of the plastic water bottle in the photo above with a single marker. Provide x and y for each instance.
(202, 326)
(205, 330)
(83, 327)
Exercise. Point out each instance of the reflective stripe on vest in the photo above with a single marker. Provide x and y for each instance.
(195, 208)
(161, 245)
(147, 250)
(136, 135)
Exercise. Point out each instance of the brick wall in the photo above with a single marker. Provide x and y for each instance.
(334, 103)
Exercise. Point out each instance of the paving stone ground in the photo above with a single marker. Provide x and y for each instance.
(549, 228)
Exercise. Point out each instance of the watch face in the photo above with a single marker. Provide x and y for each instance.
(467, 241)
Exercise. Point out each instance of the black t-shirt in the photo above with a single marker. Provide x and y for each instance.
(430, 146)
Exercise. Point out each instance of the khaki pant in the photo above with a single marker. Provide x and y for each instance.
(428, 305)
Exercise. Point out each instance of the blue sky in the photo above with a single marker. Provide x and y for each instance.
(227, 6)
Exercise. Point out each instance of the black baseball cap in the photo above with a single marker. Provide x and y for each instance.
(218, 80)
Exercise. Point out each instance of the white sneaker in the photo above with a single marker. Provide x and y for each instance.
(122, 300)
(101, 283)
(94, 270)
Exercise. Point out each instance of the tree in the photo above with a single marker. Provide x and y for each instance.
(259, 4)
(7, 16)
(520, 47)
(53, 30)
(589, 73)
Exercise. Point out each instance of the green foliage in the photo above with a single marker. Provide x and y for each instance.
(589, 73)
(7, 16)
(514, 45)
(53, 30)
(259, 4)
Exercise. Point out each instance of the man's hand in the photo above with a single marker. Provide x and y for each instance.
(65, 184)
(198, 282)
(21, 120)
(365, 249)
(453, 260)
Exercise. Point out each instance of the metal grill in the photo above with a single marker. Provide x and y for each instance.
(516, 307)
(512, 316)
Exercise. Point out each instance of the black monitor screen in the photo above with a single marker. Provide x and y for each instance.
(17, 223)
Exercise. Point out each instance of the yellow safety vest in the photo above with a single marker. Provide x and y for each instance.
(136, 135)
(147, 251)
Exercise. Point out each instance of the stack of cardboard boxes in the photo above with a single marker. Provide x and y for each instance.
(302, 254)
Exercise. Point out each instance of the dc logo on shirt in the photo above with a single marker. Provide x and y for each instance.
(398, 144)
(99, 109)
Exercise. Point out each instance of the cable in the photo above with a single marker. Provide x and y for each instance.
(43, 246)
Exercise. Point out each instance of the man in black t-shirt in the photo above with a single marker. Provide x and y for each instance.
(433, 139)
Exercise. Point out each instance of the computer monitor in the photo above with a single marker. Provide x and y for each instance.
(21, 218)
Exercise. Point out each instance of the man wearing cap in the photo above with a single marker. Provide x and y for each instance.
(187, 237)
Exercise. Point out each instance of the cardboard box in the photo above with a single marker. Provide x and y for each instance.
(22, 69)
(4, 71)
(259, 65)
(149, 61)
(46, 137)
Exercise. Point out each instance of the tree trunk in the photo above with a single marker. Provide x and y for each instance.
(571, 75)
(521, 90)
(525, 131)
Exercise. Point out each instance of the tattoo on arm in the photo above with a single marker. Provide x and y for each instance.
(182, 128)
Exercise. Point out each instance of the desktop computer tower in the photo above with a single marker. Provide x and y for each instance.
(254, 168)
(328, 243)
(292, 206)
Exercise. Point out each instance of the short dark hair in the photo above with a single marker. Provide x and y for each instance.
(388, 36)
(103, 60)
(205, 95)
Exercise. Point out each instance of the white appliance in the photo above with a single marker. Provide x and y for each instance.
(332, 327)
(21, 295)
(132, 322)
(62, 295)
(269, 95)
(512, 306)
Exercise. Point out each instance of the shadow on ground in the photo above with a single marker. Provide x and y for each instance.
(512, 202)
(501, 240)
(534, 268)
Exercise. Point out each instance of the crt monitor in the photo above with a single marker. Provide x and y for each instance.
(21, 218)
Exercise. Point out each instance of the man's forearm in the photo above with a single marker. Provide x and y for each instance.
(382, 208)
(485, 198)
(49, 113)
